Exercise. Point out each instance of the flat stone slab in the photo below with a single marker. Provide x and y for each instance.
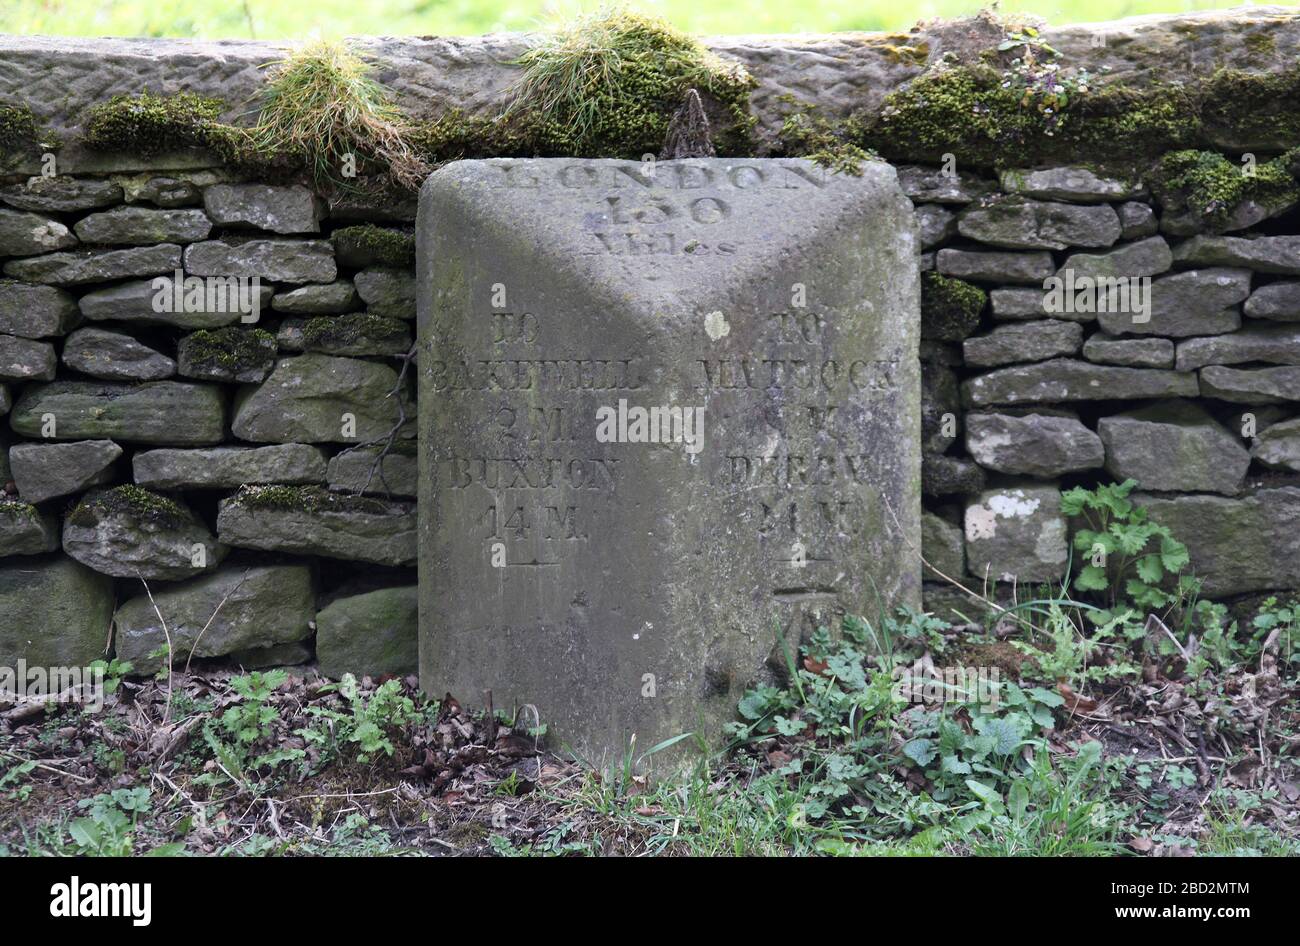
(53, 612)
(1251, 385)
(169, 413)
(1017, 533)
(46, 470)
(1236, 545)
(233, 609)
(1033, 444)
(369, 634)
(629, 587)
(1174, 446)
(309, 521)
(36, 311)
(1063, 379)
(229, 467)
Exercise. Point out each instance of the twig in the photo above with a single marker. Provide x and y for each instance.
(167, 708)
(213, 618)
(390, 439)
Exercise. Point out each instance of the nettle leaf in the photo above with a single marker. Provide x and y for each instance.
(1149, 569)
(1073, 501)
(789, 727)
(1043, 717)
(920, 751)
(1131, 539)
(1173, 554)
(754, 704)
(1091, 578)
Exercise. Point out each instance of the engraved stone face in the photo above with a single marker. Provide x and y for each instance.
(668, 413)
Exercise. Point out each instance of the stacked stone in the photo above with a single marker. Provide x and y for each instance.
(201, 447)
(1026, 392)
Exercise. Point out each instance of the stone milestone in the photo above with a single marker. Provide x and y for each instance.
(667, 413)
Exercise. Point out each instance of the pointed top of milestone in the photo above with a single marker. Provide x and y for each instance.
(689, 135)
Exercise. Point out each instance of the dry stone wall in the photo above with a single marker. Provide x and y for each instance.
(200, 375)
(153, 432)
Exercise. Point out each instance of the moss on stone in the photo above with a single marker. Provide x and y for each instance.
(19, 128)
(975, 113)
(806, 133)
(384, 246)
(950, 308)
(148, 124)
(608, 84)
(460, 135)
(135, 501)
(231, 348)
(1261, 43)
(336, 331)
(306, 499)
(1211, 186)
(1247, 107)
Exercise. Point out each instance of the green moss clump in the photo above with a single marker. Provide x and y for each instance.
(964, 111)
(19, 128)
(1247, 108)
(950, 308)
(805, 133)
(608, 84)
(1211, 186)
(230, 349)
(976, 114)
(306, 499)
(458, 135)
(140, 504)
(340, 331)
(148, 124)
(1261, 43)
(380, 246)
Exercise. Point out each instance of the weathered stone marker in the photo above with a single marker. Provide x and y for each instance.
(666, 411)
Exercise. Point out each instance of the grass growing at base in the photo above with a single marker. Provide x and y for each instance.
(606, 84)
(321, 103)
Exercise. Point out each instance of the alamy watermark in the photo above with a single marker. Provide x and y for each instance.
(1066, 293)
(36, 684)
(624, 424)
(920, 683)
(180, 293)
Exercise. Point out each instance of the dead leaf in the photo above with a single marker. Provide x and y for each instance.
(1074, 703)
